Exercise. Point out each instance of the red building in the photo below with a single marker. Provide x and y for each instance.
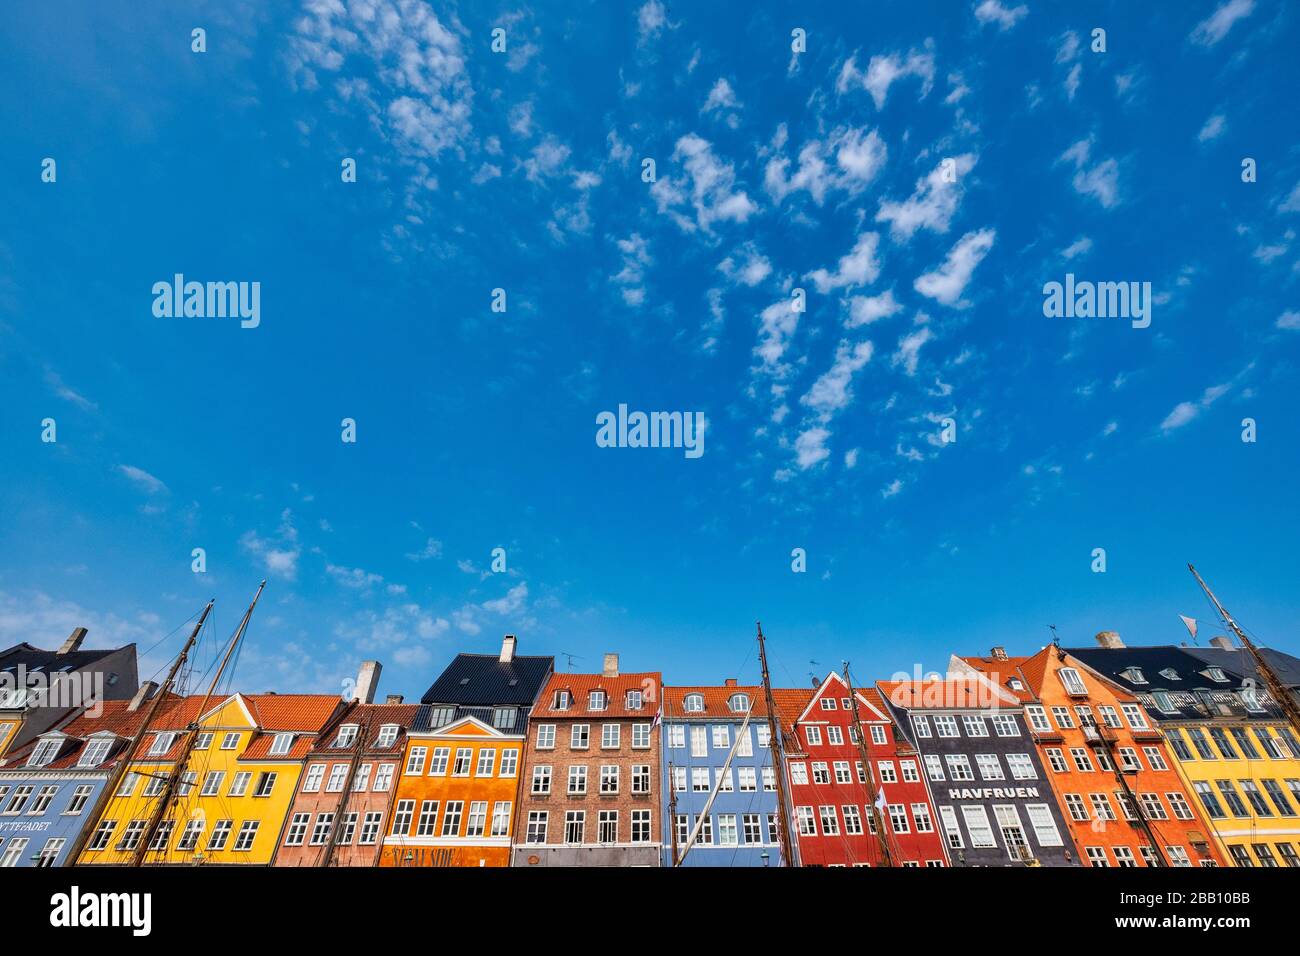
(828, 785)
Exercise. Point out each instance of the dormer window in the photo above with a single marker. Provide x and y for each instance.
(441, 716)
(1073, 682)
(93, 754)
(162, 742)
(14, 699)
(1250, 697)
(1216, 674)
(347, 735)
(1134, 675)
(693, 704)
(1016, 684)
(45, 752)
(1164, 703)
(563, 700)
(634, 700)
(503, 718)
(387, 735)
(1170, 674)
(281, 744)
(597, 700)
(739, 703)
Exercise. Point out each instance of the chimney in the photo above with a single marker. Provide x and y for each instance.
(1110, 639)
(508, 649)
(611, 665)
(73, 642)
(1222, 643)
(730, 682)
(367, 681)
(999, 653)
(394, 699)
(144, 693)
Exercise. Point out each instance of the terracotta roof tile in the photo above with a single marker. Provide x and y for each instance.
(953, 694)
(790, 703)
(649, 683)
(716, 701)
(372, 716)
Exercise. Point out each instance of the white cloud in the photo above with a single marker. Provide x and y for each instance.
(891, 489)
(1068, 48)
(859, 267)
(520, 119)
(511, 603)
(885, 70)
(279, 556)
(1072, 80)
(1185, 412)
(848, 159)
(713, 193)
(1216, 26)
(1101, 181)
(547, 160)
(1289, 320)
(142, 479)
(721, 97)
(636, 259)
(746, 266)
(777, 325)
(1110, 429)
(57, 385)
(1292, 201)
(932, 203)
(650, 20)
(863, 310)
(993, 11)
(354, 578)
(1213, 128)
(810, 447)
(851, 458)
(432, 549)
(833, 391)
(909, 349)
(1080, 247)
(947, 283)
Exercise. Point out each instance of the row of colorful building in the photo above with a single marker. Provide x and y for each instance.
(1088, 756)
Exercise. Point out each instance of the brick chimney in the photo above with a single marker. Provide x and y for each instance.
(999, 653)
(1110, 639)
(367, 681)
(611, 665)
(730, 682)
(394, 699)
(1222, 643)
(73, 642)
(144, 693)
(508, 649)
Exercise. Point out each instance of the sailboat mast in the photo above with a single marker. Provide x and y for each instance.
(115, 778)
(878, 824)
(171, 780)
(774, 748)
(1276, 688)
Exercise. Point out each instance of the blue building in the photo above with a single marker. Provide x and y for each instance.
(700, 726)
(49, 787)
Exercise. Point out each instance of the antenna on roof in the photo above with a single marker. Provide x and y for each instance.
(570, 658)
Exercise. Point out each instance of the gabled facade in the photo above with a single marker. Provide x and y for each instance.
(700, 727)
(592, 777)
(827, 780)
(994, 803)
(458, 785)
(1113, 776)
(234, 792)
(49, 787)
(40, 689)
(1231, 744)
(348, 786)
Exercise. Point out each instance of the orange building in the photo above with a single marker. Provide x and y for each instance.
(458, 784)
(1119, 790)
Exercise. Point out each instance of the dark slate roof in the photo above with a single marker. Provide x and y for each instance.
(481, 680)
(1240, 663)
(29, 657)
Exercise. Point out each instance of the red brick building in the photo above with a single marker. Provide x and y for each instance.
(349, 782)
(828, 785)
(589, 792)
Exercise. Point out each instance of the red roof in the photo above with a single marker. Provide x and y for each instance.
(717, 701)
(946, 694)
(580, 685)
(371, 717)
(1002, 670)
(791, 702)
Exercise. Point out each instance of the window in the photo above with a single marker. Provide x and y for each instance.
(1074, 803)
(545, 736)
(384, 777)
(1250, 700)
(220, 834)
(769, 780)
(536, 832)
(476, 822)
(501, 817)
(43, 800)
(1101, 806)
(1164, 702)
(951, 829)
(1022, 767)
(921, 725)
(751, 827)
(946, 726)
(18, 800)
(102, 835)
(1045, 830)
(214, 778)
(1215, 674)
(1244, 742)
(338, 777)
(813, 734)
(128, 784)
(1128, 759)
(425, 824)
(609, 778)
(1275, 747)
(821, 772)
(700, 779)
(798, 773)
(934, 767)
(1038, 718)
(370, 828)
(1178, 744)
(1225, 746)
(280, 744)
(1213, 809)
(578, 778)
(1239, 855)
(738, 703)
(641, 778)
(230, 741)
(607, 826)
(487, 759)
(563, 700)
(1289, 856)
(1062, 717)
(699, 741)
(921, 815)
(1256, 798)
(441, 716)
(633, 700)
(597, 700)
(834, 736)
(1082, 762)
(764, 736)
(321, 832)
(807, 822)
(460, 767)
(842, 774)
(1177, 856)
(387, 736)
(14, 852)
(676, 736)
(1152, 807)
(347, 830)
(977, 825)
(1124, 857)
(1097, 856)
(640, 736)
(1232, 798)
(1133, 714)
(415, 761)
(1005, 725)
(265, 784)
(402, 815)
(541, 779)
(886, 768)
(244, 839)
(1074, 685)
(80, 797)
(438, 765)
(1057, 760)
(975, 726)
(580, 736)
(1013, 834)
(94, 753)
(693, 703)
(575, 823)
(310, 784)
(1178, 803)
(509, 762)
(990, 767)
(451, 817)
(503, 718)
(610, 736)
(959, 767)
(1279, 798)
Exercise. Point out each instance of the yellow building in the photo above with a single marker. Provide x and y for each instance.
(1228, 739)
(234, 791)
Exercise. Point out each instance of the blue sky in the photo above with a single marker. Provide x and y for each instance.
(819, 170)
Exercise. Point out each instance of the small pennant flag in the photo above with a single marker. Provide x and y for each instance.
(1191, 625)
(880, 800)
